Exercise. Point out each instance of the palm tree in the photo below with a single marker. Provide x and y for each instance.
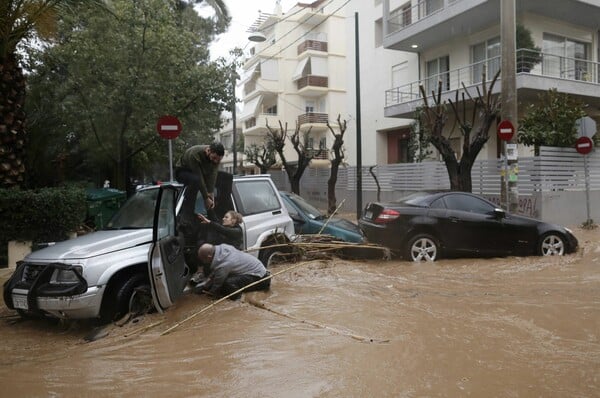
(222, 16)
(25, 19)
(20, 20)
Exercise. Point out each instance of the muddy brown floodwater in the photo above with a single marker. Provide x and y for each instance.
(505, 327)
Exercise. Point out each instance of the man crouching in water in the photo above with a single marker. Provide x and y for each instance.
(230, 270)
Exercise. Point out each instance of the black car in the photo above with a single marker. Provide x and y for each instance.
(427, 226)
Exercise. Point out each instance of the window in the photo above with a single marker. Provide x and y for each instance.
(400, 17)
(255, 197)
(309, 107)
(271, 110)
(467, 203)
(486, 53)
(565, 58)
(428, 7)
(437, 70)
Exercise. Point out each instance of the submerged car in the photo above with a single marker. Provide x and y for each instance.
(309, 220)
(139, 259)
(428, 226)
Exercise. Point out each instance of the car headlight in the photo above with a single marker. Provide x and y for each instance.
(66, 276)
(569, 231)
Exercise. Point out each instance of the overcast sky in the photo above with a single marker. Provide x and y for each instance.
(244, 13)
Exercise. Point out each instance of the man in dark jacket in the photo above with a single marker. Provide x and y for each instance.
(197, 170)
(231, 270)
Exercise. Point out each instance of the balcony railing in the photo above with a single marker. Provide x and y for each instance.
(314, 45)
(248, 124)
(402, 18)
(312, 117)
(249, 87)
(310, 80)
(527, 62)
(322, 154)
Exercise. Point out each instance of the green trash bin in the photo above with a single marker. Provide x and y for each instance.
(102, 204)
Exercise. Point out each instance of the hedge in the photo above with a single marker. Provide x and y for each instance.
(42, 215)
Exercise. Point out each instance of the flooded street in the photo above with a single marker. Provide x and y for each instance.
(509, 327)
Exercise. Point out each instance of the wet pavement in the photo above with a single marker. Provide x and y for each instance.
(503, 327)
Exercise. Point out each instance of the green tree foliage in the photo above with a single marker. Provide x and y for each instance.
(551, 121)
(101, 87)
(21, 21)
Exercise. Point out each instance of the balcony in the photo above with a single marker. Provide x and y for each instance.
(429, 23)
(536, 72)
(313, 118)
(258, 124)
(312, 45)
(312, 85)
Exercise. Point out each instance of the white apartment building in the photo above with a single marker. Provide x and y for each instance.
(384, 139)
(454, 39)
(297, 76)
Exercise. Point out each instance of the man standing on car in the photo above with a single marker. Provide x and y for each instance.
(197, 169)
(230, 270)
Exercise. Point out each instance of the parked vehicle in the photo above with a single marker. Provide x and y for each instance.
(427, 226)
(110, 272)
(309, 220)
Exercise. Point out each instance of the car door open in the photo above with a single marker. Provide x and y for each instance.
(169, 273)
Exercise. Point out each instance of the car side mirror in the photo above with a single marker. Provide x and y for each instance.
(297, 218)
(499, 213)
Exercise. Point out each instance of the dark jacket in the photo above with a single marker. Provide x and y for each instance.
(196, 160)
(233, 236)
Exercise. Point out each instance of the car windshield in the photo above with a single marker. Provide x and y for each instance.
(136, 212)
(311, 211)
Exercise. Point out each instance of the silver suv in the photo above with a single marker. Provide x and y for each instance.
(139, 256)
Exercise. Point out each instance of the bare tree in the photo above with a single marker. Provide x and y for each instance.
(485, 111)
(338, 157)
(300, 144)
(262, 157)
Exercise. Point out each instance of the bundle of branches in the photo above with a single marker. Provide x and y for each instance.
(309, 247)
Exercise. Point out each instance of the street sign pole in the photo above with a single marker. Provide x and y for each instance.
(587, 187)
(170, 160)
(169, 127)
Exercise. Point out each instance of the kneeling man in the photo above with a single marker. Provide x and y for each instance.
(230, 269)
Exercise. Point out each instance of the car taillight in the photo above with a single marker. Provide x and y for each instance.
(387, 215)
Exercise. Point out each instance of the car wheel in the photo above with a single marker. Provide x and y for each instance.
(265, 256)
(129, 295)
(552, 244)
(423, 248)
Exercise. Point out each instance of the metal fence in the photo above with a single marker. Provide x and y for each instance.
(547, 182)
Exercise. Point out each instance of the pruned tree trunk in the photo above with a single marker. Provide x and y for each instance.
(294, 172)
(485, 110)
(338, 157)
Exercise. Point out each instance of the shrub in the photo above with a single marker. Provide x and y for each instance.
(43, 215)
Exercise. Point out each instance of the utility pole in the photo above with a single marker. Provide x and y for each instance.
(509, 100)
(358, 123)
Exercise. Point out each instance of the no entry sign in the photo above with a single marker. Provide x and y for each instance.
(584, 145)
(168, 127)
(506, 130)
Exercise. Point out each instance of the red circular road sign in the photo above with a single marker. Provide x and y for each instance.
(506, 130)
(168, 127)
(584, 145)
